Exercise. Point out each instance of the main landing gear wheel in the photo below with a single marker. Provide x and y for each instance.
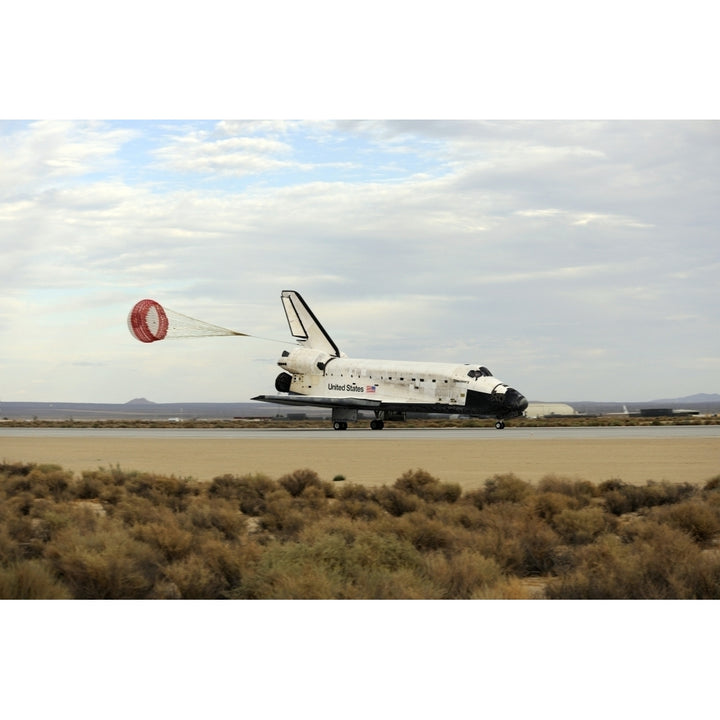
(377, 424)
(339, 426)
(500, 425)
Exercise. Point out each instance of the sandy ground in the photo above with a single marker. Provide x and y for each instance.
(377, 462)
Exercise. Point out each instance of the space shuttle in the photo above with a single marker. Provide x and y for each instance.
(318, 374)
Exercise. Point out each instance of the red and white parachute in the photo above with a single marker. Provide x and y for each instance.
(149, 321)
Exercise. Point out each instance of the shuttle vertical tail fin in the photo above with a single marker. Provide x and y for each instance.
(304, 326)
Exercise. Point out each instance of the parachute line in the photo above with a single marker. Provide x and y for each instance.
(149, 321)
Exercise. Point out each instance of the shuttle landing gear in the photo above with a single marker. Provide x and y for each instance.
(341, 417)
(500, 425)
(379, 422)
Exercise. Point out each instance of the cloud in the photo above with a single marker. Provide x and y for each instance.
(525, 245)
(582, 218)
(47, 152)
(232, 156)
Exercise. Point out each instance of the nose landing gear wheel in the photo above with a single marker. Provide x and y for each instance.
(500, 425)
(377, 424)
(339, 426)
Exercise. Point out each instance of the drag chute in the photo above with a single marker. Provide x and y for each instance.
(149, 321)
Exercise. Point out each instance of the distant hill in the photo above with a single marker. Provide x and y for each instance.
(142, 408)
(690, 399)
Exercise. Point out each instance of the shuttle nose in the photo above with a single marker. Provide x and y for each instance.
(515, 401)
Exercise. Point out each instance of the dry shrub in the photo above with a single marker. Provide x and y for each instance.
(359, 547)
(336, 565)
(426, 534)
(249, 490)
(700, 520)
(282, 515)
(354, 491)
(136, 510)
(538, 543)
(515, 538)
(229, 561)
(164, 589)
(384, 551)
(461, 514)
(302, 582)
(216, 514)
(665, 493)
(396, 502)
(210, 572)
(106, 565)
(31, 580)
(116, 534)
(401, 584)
(191, 579)
(620, 497)
(27, 534)
(427, 487)
(461, 576)
(90, 485)
(342, 526)
(171, 540)
(19, 504)
(648, 561)
(107, 485)
(597, 571)
(298, 480)
(47, 518)
(357, 509)
(10, 550)
(313, 498)
(15, 469)
(619, 502)
(547, 504)
(505, 488)
(506, 588)
(579, 527)
(294, 570)
(172, 492)
(500, 535)
(42, 481)
(581, 490)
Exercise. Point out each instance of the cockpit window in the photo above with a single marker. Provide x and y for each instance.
(482, 371)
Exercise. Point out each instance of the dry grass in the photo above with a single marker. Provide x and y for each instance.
(114, 534)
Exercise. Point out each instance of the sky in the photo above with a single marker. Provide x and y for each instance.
(577, 259)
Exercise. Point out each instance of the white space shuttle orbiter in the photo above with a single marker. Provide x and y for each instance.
(317, 374)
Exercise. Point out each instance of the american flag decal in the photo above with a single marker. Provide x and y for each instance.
(370, 388)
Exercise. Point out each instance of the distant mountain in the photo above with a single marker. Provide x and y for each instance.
(691, 399)
(140, 401)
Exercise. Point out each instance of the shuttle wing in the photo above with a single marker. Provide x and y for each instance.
(317, 401)
(356, 403)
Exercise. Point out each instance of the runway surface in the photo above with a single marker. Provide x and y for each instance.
(464, 455)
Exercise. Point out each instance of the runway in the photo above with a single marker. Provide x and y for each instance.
(464, 455)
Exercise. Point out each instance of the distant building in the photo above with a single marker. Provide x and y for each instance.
(539, 409)
(665, 412)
